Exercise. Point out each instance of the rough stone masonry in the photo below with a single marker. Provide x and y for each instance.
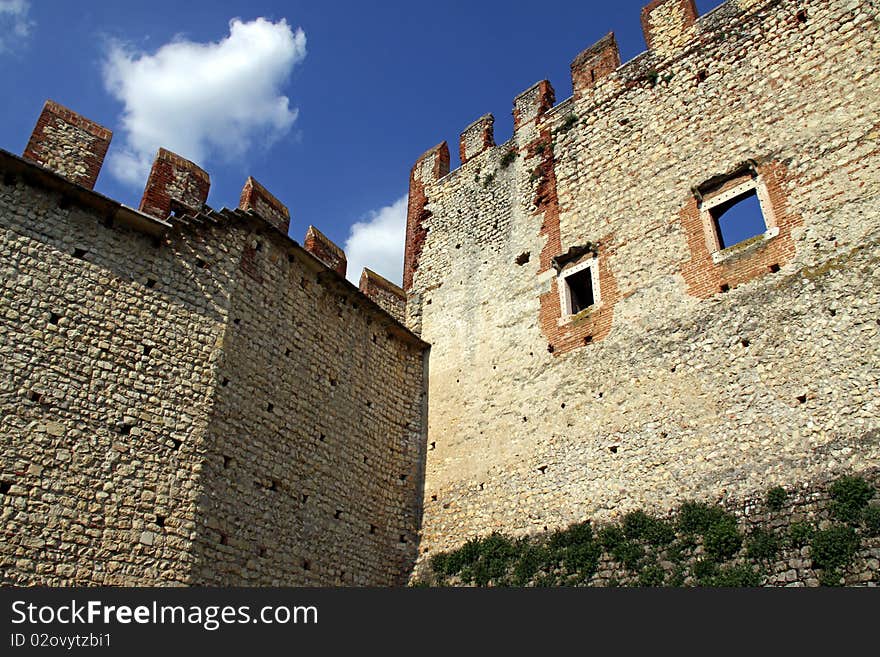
(596, 347)
(187, 396)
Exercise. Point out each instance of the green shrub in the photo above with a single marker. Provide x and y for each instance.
(652, 575)
(849, 495)
(871, 518)
(776, 497)
(611, 536)
(532, 559)
(800, 534)
(737, 576)
(830, 577)
(629, 554)
(762, 544)
(508, 158)
(639, 525)
(697, 517)
(704, 570)
(676, 578)
(834, 547)
(722, 540)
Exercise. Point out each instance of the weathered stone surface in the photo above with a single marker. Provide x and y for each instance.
(671, 389)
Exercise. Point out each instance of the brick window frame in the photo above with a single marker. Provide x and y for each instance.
(705, 274)
(737, 186)
(565, 303)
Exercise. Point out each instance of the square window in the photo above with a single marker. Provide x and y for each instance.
(737, 215)
(738, 219)
(579, 288)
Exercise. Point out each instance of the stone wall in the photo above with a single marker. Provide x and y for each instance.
(195, 402)
(699, 375)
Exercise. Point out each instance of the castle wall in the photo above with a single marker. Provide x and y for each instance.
(699, 375)
(312, 472)
(201, 403)
(108, 346)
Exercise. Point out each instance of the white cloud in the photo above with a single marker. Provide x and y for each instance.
(377, 243)
(203, 100)
(15, 26)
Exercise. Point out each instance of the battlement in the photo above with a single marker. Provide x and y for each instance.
(264, 417)
(671, 29)
(636, 298)
(74, 147)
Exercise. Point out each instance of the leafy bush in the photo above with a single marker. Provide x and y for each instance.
(508, 158)
(800, 534)
(704, 570)
(698, 517)
(737, 576)
(871, 518)
(611, 536)
(776, 497)
(652, 575)
(722, 540)
(849, 495)
(639, 525)
(762, 544)
(834, 547)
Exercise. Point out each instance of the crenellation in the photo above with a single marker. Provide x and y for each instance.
(684, 367)
(242, 429)
(663, 288)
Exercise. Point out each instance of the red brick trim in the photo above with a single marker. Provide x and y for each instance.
(593, 64)
(320, 246)
(688, 7)
(256, 198)
(480, 135)
(431, 166)
(81, 166)
(174, 179)
(588, 327)
(704, 277)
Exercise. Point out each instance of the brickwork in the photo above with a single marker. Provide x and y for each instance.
(385, 293)
(708, 373)
(200, 402)
(320, 246)
(68, 144)
(256, 198)
(175, 184)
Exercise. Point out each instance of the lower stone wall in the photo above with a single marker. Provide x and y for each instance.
(812, 534)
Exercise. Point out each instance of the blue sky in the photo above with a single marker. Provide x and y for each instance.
(327, 104)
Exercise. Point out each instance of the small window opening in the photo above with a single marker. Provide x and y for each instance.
(160, 521)
(304, 498)
(801, 16)
(54, 318)
(34, 396)
(5, 487)
(147, 350)
(262, 551)
(774, 268)
(270, 407)
(580, 287)
(151, 283)
(338, 514)
(372, 529)
(79, 253)
(523, 258)
(307, 565)
(738, 219)
(228, 461)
